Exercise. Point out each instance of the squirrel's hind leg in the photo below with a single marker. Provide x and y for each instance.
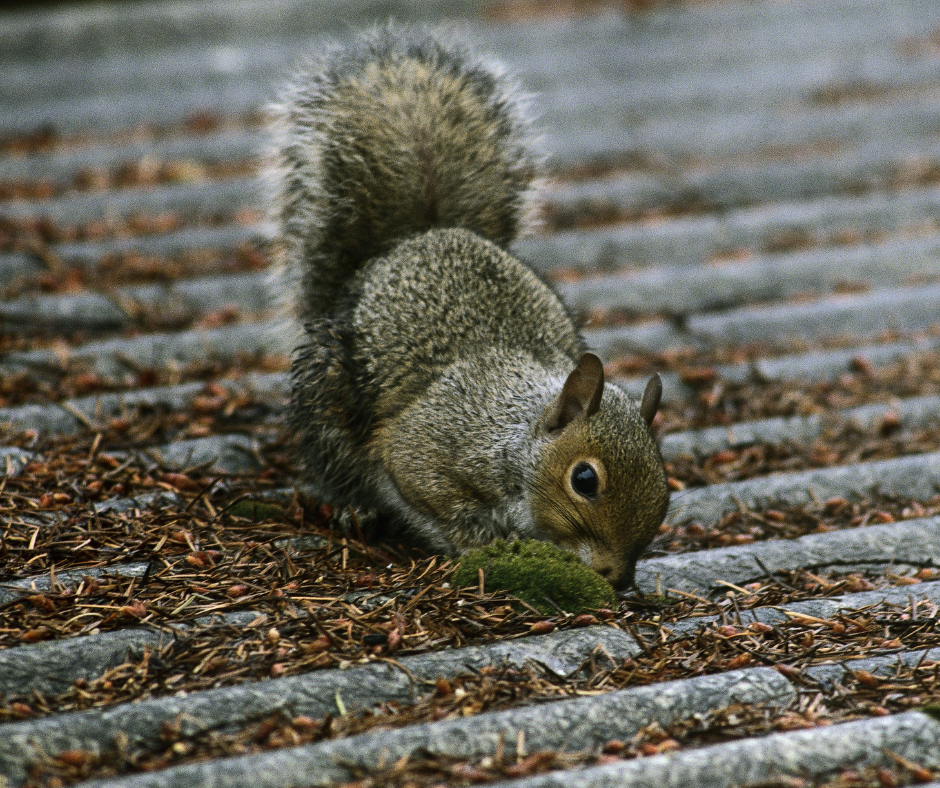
(341, 468)
(327, 417)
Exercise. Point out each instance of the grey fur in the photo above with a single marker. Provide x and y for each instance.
(428, 386)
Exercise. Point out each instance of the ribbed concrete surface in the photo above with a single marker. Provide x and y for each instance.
(726, 175)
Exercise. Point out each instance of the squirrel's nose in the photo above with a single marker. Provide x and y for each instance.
(620, 577)
(612, 569)
(610, 573)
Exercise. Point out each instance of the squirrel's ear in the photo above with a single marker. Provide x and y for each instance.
(581, 394)
(652, 394)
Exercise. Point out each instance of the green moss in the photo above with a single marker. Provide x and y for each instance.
(536, 572)
(256, 511)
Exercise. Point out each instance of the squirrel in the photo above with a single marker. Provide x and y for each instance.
(440, 384)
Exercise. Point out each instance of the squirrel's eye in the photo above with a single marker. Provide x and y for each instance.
(584, 480)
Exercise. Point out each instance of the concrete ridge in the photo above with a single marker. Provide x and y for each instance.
(810, 753)
(916, 476)
(313, 694)
(732, 196)
(50, 666)
(568, 725)
(848, 550)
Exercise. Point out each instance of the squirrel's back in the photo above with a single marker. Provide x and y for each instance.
(388, 137)
(439, 383)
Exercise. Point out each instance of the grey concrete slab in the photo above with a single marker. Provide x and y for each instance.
(314, 694)
(76, 414)
(233, 453)
(653, 72)
(205, 198)
(119, 357)
(169, 24)
(822, 364)
(609, 67)
(563, 725)
(752, 131)
(65, 579)
(818, 179)
(893, 309)
(683, 290)
(89, 254)
(916, 476)
(912, 413)
(822, 608)
(607, 137)
(893, 547)
(51, 667)
(812, 365)
(580, 124)
(61, 166)
(181, 300)
(13, 459)
(829, 676)
(670, 289)
(810, 213)
(801, 754)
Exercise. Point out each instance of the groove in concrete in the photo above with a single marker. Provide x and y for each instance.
(61, 167)
(66, 579)
(791, 33)
(797, 206)
(89, 254)
(574, 132)
(91, 411)
(53, 666)
(232, 453)
(53, 418)
(651, 79)
(673, 290)
(139, 30)
(684, 240)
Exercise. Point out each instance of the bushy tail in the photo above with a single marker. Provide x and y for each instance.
(389, 136)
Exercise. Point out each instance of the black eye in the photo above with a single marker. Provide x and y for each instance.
(584, 480)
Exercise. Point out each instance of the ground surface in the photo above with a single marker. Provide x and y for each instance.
(744, 198)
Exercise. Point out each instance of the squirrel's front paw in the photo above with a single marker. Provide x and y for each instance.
(352, 521)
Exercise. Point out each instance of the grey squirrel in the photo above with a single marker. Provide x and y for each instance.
(439, 382)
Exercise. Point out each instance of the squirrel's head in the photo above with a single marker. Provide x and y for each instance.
(600, 487)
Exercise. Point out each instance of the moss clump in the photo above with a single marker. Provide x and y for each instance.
(256, 511)
(536, 572)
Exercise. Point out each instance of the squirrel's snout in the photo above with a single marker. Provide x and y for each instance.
(620, 576)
